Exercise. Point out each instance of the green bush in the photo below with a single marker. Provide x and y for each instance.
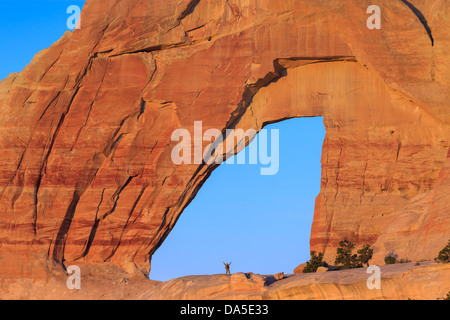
(390, 260)
(448, 296)
(315, 262)
(347, 260)
(444, 254)
(365, 254)
(344, 256)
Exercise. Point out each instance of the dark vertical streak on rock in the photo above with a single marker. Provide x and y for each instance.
(60, 242)
(94, 228)
(91, 106)
(142, 108)
(116, 196)
(421, 18)
(399, 146)
(43, 168)
(126, 223)
(363, 182)
(189, 9)
(114, 141)
(58, 250)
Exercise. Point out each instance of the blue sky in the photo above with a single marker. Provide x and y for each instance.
(261, 223)
(27, 27)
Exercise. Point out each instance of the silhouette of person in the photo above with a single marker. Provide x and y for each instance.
(227, 267)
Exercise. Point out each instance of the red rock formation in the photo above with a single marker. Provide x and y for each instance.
(86, 173)
(398, 282)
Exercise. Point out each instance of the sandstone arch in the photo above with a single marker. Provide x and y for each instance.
(85, 128)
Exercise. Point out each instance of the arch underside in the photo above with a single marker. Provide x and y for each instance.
(368, 182)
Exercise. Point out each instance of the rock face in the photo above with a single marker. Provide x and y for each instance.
(401, 281)
(85, 129)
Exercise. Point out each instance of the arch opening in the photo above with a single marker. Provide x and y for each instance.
(260, 223)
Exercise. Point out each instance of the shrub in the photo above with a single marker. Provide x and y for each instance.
(315, 262)
(444, 254)
(445, 298)
(390, 260)
(365, 254)
(344, 256)
(347, 260)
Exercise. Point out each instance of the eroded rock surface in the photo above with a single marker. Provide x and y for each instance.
(85, 130)
(429, 281)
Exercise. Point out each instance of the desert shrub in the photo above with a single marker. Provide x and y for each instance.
(445, 298)
(444, 254)
(344, 256)
(390, 260)
(347, 260)
(365, 254)
(315, 262)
